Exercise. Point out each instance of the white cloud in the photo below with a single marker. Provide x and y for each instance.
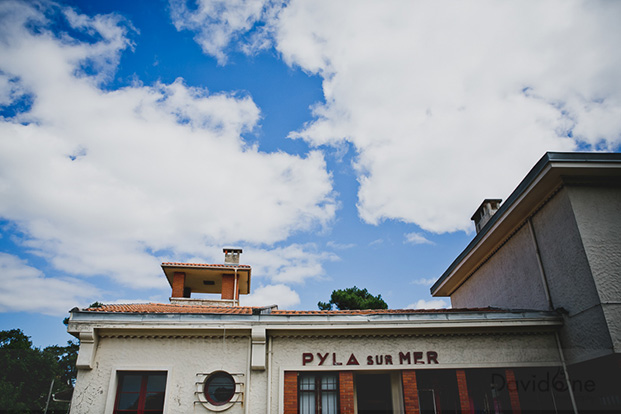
(424, 282)
(429, 304)
(449, 103)
(280, 295)
(291, 264)
(340, 246)
(26, 289)
(416, 238)
(445, 103)
(100, 181)
(218, 22)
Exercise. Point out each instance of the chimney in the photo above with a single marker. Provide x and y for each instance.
(486, 210)
(231, 256)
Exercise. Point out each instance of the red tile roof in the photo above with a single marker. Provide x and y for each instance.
(204, 265)
(171, 308)
(247, 310)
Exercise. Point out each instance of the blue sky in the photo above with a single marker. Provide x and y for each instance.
(338, 143)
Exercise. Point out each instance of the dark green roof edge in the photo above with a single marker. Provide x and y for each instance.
(587, 157)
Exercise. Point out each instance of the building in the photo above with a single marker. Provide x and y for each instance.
(555, 244)
(534, 325)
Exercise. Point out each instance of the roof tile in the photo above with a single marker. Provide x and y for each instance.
(247, 310)
(204, 265)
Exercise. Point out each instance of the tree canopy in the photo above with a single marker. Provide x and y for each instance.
(353, 298)
(26, 373)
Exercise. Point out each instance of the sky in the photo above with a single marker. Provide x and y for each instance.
(338, 143)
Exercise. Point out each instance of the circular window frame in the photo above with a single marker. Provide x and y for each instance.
(219, 375)
(209, 402)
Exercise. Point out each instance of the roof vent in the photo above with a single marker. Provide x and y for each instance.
(485, 212)
(231, 256)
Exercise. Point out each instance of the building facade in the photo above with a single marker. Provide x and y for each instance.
(529, 330)
(555, 245)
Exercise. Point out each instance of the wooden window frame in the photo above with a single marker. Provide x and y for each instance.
(318, 391)
(141, 394)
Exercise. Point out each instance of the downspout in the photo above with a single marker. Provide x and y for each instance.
(551, 306)
(540, 264)
(269, 374)
(246, 398)
(235, 295)
(571, 391)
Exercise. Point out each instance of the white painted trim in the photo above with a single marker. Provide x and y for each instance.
(441, 325)
(396, 390)
(280, 387)
(241, 391)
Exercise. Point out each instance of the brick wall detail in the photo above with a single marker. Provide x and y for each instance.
(462, 386)
(513, 392)
(291, 392)
(228, 286)
(410, 392)
(178, 284)
(346, 392)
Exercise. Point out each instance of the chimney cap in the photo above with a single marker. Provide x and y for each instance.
(232, 250)
(484, 213)
(492, 202)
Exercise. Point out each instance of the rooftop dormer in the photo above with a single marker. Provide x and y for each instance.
(229, 280)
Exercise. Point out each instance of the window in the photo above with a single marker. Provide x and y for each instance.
(318, 393)
(219, 388)
(140, 393)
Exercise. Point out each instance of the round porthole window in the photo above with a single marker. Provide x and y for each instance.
(219, 388)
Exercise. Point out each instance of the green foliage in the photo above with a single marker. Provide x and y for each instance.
(26, 373)
(353, 298)
(66, 357)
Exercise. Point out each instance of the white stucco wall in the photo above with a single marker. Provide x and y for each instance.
(453, 351)
(598, 216)
(569, 274)
(577, 232)
(562, 254)
(183, 357)
(510, 279)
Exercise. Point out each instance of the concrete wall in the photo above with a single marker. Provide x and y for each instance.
(510, 279)
(563, 256)
(598, 215)
(579, 237)
(182, 357)
(570, 278)
(185, 356)
(453, 351)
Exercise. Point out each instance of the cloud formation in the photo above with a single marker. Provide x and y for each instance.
(429, 304)
(292, 264)
(416, 238)
(450, 103)
(425, 281)
(218, 22)
(25, 288)
(101, 181)
(278, 294)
